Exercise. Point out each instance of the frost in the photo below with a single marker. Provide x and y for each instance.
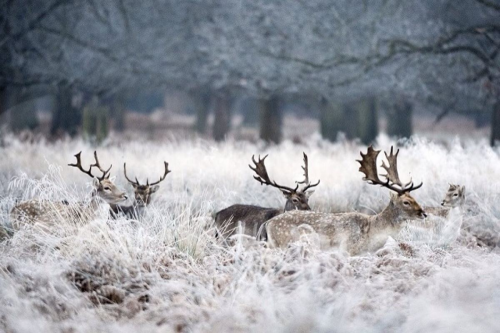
(167, 272)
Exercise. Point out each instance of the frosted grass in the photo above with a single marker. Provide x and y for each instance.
(165, 272)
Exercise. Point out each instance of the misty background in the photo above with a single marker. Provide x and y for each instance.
(249, 70)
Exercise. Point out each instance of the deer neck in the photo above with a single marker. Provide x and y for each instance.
(388, 221)
(95, 201)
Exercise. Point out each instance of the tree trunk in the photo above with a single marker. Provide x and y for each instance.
(399, 120)
(65, 117)
(202, 105)
(350, 120)
(271, 120)
(222, 121)
(331, 120)
(367, 120)
(495, 125)
(117, 113)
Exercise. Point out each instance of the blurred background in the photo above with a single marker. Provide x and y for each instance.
(250, 70)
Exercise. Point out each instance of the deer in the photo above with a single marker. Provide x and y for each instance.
(142, 194)
(443, 225)
(250, 217)
(455, 197)
(46, 212)
(354, 232)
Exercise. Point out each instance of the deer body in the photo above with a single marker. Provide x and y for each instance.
(47, 212)
(353, 232)
(249, 219)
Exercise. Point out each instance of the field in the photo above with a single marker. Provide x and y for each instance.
(166, 272)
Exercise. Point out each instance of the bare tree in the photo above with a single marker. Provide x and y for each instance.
(441, 52)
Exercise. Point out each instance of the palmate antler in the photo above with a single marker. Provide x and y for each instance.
(78, 164)
(136, 182)
(369, 168)
(306, 176)
(263, 178)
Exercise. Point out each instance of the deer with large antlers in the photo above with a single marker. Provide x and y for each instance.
(47, 212)
(354, 232)
(251, 218)
(142, 193)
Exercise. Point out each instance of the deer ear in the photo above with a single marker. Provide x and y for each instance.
(154, 188)
(394, 196)
(462, 191)
(287, 195)
(309, 193)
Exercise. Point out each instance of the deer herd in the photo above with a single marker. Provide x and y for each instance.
(353, 232)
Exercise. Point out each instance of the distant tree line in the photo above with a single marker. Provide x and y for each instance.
(442, 54)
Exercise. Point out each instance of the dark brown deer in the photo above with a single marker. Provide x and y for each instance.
(251, 218)
(353, 232)
(142, 194)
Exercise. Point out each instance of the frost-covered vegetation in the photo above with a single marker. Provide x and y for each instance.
(167, 272)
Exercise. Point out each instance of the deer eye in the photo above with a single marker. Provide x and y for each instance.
(107, 188)
(455, 195)
(406, 203)
(295, 200)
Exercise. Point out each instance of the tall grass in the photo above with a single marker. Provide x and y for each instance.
(167, 272)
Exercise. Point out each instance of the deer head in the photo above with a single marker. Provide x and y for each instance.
(405, 206)
(143, 193)
(296, 198)
(454, 197)
(104, 187)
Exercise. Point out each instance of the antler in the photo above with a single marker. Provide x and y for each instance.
(392, 170)
(105, 173)
(306, 176)
(263, 177)
(136, 182)
(369, 168)
(78, 164)
(163, 177)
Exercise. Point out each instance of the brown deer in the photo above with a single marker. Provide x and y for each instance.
(455, 197)
(142, 194)
(251, 218)
(46, 212)
(354, 232)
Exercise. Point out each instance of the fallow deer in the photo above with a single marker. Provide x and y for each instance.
(455, 197)
(251, 218)
(354, 232)
(142, 194)
(46, 212)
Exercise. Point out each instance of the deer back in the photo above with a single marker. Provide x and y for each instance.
(46, 213)
(249, 217)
